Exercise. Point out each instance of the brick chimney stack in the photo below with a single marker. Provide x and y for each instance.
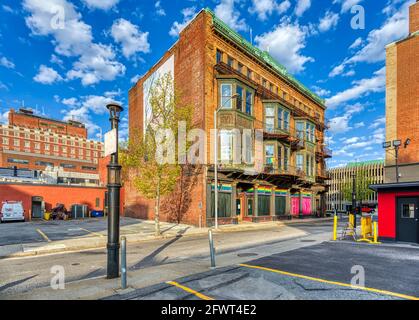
(414, 17)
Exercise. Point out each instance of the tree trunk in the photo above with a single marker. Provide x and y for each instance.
(157, 211)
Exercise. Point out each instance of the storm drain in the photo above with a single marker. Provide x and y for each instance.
(247, 254)
(307, 240)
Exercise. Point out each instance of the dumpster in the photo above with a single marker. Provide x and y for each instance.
(79, 211)
(96, 213)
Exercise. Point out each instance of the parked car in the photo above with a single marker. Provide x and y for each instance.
(12, 211)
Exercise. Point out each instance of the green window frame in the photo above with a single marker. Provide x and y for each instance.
(269, 154)
(264, 205)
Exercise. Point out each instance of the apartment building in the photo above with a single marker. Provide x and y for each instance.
(57, 150)
(215, 68)
(340, 178)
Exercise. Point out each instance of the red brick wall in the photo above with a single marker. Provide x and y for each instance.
(414, 17)
(52, 194)
(408, 98)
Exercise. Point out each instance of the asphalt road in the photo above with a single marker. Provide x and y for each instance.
(20, 275)
(319, 272)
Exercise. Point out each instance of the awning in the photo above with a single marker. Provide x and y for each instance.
(392, 186)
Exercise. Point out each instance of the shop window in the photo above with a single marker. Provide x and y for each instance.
(279, 206)
(264, 205)
(224, 204)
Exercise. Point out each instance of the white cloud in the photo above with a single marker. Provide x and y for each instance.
(360, 88)
(130, 37)
(227, 12)
(101, 4)
(6, 63)
(7, 8)
(321, 92)
(285, 43)
(301, 7)
(356, 43)
(96, 61)
(329, 21)
(159, 9)
(378, 122)
(56, 60)
(337, 70)
(71, 102)
(177, 27)
(3, 86)
(47, 75)
(339, 124)
(359, 125)
(264, 8)
(135, 78)
(4, 117)
(347, 4)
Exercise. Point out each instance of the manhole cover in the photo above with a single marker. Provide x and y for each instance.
(247, 254)
(308, 240)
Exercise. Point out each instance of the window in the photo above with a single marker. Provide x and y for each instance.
(264, 83)
(19, 161)
(300, 129)
(224, 204)
(408, 211)
(27, 144)
(226, 93)
(269, 118)
(44, 164)
(279, 156)
(300, 161)
(46, 146)
(264, 202)
(37, 146)
(249, 73)
(16, 133)
(280, 118)
(308, 165)
(249, 102)
(269, 154)
(88, 168)
(5, 141)
(286, 157)
(64, 149)
(239, 99)
(271, 87)
(310, 132)
(219, 56)
(286, 120)
(67, 165)
(230, 61)
(73, 151)
(284, 95)
(27, 136)
(55, 148)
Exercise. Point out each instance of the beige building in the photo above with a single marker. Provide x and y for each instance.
(339, 177)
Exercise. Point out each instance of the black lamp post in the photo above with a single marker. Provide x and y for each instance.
(114, 186)
(354, 197)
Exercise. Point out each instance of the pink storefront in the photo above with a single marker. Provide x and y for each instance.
(306, 204)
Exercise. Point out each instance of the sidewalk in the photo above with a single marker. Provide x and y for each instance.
(134, 233)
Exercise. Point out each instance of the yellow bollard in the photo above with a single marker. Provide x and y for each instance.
(335, 227)
(375, 232)
(351, 224)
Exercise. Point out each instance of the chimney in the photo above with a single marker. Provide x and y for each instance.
(414, 17)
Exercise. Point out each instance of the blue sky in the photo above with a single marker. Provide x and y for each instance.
(67, 59)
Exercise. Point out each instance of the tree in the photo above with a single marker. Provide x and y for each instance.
(153, 176)
(362, 182)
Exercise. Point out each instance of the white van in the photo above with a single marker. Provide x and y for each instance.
(12, 211)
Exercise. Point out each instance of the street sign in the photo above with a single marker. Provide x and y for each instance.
(110, 142)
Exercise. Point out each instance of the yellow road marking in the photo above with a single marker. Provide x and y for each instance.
(389, 293)
(43, 235)
(198, 294)
(95, 233)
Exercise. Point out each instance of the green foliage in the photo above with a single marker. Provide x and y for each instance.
(362, 182)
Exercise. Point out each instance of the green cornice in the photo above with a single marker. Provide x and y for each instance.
(262, 56)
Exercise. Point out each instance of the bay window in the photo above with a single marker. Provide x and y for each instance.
(226, 93)
(269, 154)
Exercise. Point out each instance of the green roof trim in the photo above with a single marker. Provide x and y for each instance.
(364, 163)
(263, 56)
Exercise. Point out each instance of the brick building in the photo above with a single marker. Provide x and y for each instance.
(373, 171)
(402, 102)
(398, 203)
(211, 63)
(55, 150)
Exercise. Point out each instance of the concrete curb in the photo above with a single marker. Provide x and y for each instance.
(90, 243)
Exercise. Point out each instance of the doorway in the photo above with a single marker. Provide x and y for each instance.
(407, 219)
(38, 207)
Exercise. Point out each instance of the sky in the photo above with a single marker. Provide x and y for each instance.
(67, 59)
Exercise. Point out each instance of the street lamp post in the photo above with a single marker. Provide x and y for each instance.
(114, 186)
(216, 161)
(396, 145)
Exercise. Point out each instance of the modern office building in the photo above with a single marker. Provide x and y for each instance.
(215, 68)
(48, 150)
(341, 178)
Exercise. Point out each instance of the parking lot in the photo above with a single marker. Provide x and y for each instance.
(322, 271)
(47, 231)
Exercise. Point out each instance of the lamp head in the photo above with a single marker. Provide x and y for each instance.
(386, 144)
(397, 143)
(407, 142)
(114, 109)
